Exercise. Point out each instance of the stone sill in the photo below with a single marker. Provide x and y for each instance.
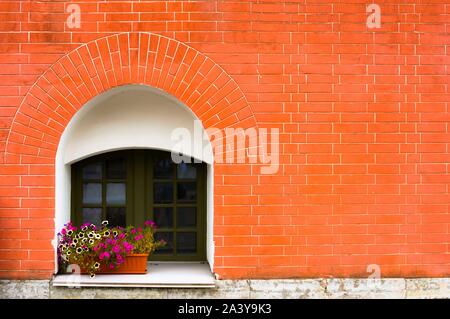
(316, 288)
(159, 275)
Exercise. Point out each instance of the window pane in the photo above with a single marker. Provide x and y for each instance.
(116, 216)
(115, 193)
(186, 171)
(186, 242)
(92, 193)
(186, 192)
(115, 169)
(168, 238)
(163, 217)
(163, 168)
(92, 171)
(186, 217)
(92, 215)
(163, 193)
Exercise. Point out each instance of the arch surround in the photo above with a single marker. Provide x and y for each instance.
(131, 117)
(109, 62)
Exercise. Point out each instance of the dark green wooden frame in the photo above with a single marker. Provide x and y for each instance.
(139, 196)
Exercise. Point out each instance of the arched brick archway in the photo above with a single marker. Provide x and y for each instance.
(76, 78)
(126, 58)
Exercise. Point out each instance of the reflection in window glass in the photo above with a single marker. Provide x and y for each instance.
(187, 242)
(186, 217)
(92, 193)
(186, 192)
(92, 171)
(163, 217)
(92, 215)
(163, 168)
(186, 171)
(168, 238)
(163, 193)
(115, 194)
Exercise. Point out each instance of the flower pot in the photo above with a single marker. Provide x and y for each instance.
(133, 264)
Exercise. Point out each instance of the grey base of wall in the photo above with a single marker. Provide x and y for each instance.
(244, 289)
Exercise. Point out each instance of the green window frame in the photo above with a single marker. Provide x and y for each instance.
(153, 187)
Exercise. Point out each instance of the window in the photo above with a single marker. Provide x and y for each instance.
(128, 187)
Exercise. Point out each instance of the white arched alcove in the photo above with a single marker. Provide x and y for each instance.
(130, 117)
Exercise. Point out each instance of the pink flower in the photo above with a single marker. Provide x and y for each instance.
(111, 266)
(104, 255)
(128, 247)
(116, 249)
(150, 223)
(138, 237)
(133, 231)
(63, 231)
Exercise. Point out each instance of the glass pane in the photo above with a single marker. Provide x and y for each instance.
(92, 215)
(163, 168)
(186, 192)
(186, 242)
(115, 193)
(92, 171)
(92, 193)
(115, 169)
(168, 238)
(186, 171)
(163, 193)
(164, 217)
(116, 216)
(186, 217)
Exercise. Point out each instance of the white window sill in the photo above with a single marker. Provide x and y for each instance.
(159, 275)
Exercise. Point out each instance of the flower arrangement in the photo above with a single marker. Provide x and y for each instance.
(95, 248)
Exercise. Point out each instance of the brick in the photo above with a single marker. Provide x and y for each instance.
(363, 118)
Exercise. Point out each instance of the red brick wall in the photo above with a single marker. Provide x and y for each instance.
(363, 115)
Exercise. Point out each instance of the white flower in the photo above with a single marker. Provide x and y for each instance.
(75, 241)
(98, 236)
(79, 250)
(91, 241)
(92, 275)
(91, 235)
(106, 233)
(73, 245)
(84, 228)
(105, 223)
(97, 265)
(80, 235)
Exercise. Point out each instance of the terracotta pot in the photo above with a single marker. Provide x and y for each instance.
(133, 264)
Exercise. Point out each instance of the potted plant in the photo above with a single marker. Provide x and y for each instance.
(107, 250)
